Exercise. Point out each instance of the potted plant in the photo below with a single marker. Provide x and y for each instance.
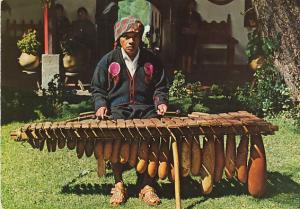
(71, 55)
(30, 48)
(69, 59)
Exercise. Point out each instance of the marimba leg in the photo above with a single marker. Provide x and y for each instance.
(177, 174)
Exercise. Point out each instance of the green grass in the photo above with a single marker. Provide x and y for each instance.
(37, 179)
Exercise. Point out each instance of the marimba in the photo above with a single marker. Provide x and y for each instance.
(147, 144)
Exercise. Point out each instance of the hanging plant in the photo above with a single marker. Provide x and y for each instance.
(72, 54)
(30, 48)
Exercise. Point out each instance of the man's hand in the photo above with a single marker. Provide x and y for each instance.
(101, 112)
(161, 109)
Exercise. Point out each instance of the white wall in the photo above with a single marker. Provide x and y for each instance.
(210, 12)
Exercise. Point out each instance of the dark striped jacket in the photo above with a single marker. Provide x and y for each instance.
(112, 84)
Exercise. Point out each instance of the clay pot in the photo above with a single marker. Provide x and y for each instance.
(77, 62)
(70, 63)
(256, 63)
(29, 61)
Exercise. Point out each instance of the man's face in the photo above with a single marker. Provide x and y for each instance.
(130, 43)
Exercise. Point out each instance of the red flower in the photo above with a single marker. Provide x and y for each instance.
(149, 69)
(114, 69)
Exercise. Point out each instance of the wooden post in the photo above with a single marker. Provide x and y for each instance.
(46, 32)
(176, 167)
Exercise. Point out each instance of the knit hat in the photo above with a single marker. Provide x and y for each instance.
(128, 24)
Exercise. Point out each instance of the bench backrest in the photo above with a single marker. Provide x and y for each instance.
(215, 32)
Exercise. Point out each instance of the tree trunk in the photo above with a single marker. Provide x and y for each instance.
(283, 16)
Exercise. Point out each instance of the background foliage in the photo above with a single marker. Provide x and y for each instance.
(53, 103)
(189, 97)
(137, 8)
(268, 94)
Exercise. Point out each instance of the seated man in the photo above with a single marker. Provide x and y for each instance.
(129, 82)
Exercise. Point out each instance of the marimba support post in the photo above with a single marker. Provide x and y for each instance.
(177, 174)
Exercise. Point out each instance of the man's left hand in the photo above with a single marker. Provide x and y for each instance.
(161, 109)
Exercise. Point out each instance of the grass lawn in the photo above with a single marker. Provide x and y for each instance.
(37, 179)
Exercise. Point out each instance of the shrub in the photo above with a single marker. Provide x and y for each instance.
(55, 101)
(178, 88)
(53, 97)
(195, 97)
(18, 105)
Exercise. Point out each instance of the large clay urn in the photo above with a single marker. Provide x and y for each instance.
(77, 62)
(29, 61)
(70, 63)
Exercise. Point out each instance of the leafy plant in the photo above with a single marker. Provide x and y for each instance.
(58, 102)
(195, 97)
(53, 97)
(178, 88)
(259, 46)
(268, 94)
(29, 43)
(137, 8)
(69, 46)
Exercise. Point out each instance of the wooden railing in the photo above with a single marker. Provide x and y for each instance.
(16, 30)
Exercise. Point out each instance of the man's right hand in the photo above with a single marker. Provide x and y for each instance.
(101, 112)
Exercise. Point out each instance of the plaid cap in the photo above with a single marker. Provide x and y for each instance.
(128, 24)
